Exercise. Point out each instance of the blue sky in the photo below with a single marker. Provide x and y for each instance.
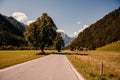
(72, 16)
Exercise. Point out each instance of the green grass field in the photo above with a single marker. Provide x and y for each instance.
(115, 46)
(12, 57)
(88, 64)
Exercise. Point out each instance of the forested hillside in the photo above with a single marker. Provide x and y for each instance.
(18, 25)
(11, 32)
(103, 32)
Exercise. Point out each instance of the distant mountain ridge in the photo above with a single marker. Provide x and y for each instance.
(103, 32)
(66, 38)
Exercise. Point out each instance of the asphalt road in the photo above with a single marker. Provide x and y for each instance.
(52, 67)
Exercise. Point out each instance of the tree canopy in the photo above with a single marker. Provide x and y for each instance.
(42, 32)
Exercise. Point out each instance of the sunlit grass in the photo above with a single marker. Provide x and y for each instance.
(88, 64)
(12, 57)
(115, 46)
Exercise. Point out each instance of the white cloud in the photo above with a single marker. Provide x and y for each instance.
(30, 21)
(78, 22)
(20, 16)
(76, 33)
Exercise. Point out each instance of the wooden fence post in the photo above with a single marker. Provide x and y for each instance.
(101, 68)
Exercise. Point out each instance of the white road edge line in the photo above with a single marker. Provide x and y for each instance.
(75, 71)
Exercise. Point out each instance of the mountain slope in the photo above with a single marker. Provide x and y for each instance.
(16, 24)
(11, 33)
(66, 38)
(7, 25)
(102, 32)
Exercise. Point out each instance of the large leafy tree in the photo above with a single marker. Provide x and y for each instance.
(59, 44)
(42, 32)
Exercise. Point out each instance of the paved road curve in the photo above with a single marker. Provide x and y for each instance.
(52, 67)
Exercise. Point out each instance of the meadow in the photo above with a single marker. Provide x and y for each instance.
(12, 57)
(88, 64)
(115, 46)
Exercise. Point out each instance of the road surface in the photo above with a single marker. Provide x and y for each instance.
(52, 67)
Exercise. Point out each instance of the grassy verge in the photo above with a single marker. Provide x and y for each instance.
(11, 57)
(88, 64)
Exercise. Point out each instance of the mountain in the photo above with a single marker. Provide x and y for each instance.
(11, 31)
(11, 25)
(103, 32)
(66, 38)
(18, 25)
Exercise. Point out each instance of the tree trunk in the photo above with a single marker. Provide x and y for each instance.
(42, 50)
(58, 50)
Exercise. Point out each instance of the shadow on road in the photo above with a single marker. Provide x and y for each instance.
(61, 53)
(65, 53)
